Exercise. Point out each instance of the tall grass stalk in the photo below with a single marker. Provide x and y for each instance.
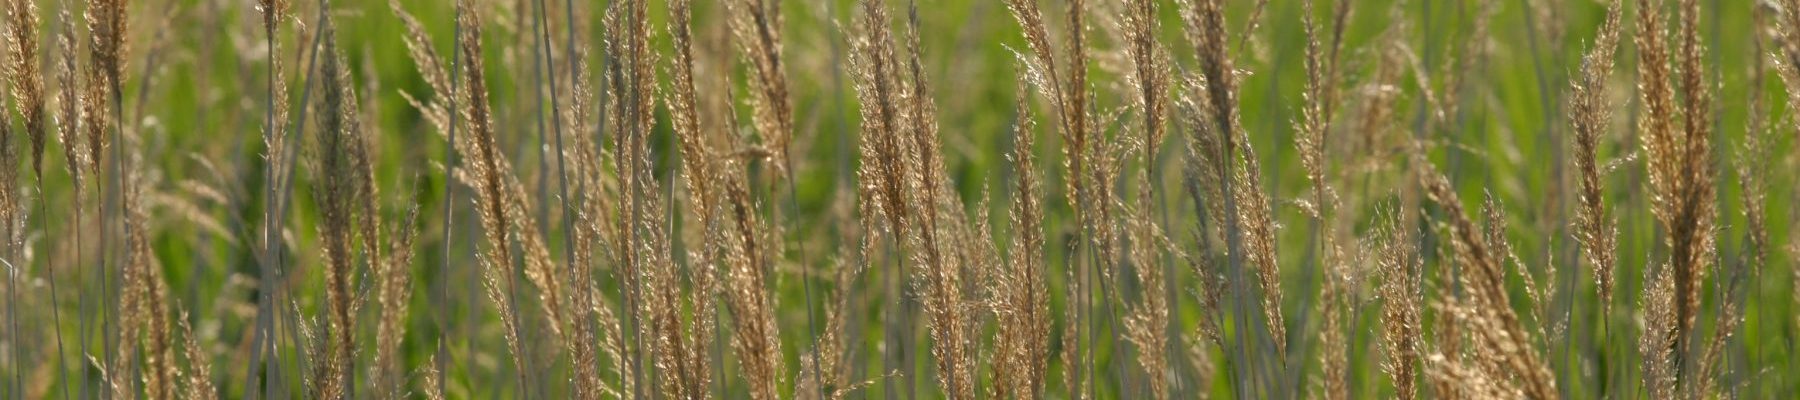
(1591, 113)
(106, 26)
(1487, 315)
(882, 174)
(345, 194)
(1314, 126)
(27, 82)
(67, 134)
(275, 110)
(757, 26)
(1021, 294)
(1590, 109)
(1677, 142)
(491, 174)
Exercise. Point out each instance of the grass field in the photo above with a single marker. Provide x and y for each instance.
(899, 199)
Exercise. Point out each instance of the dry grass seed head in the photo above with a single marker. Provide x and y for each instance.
(1021, 293)
(1504, 345)
(106, 21)
(1150, 71)
(1236, 161)
(490, 174)
(1401, 289)
(742, 247)
(393, 295)
(1591, 113)
(199, 385)
(902, 132)
(1656, 344)
(936, 211)
(68, 99)
(884, 171)
(145, 329)
(834, 361)
(1203, 152)
(685, 359)
(12, 205)
(1256, 219)
(339, 166)
(23, 75)
(757, 25)
(1147, 324)
(1677, 141)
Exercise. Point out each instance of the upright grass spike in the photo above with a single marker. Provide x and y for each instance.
(335, 196)
(1146, 326)
(703, 177)
(149, 289)
(23, 75)
(199, 384)
(274, 142)
(1068, 89)
(106, 22)
(1692, 228)
(503, 214)
(1401, 285)
(1314, 126)
(1246, 225)
(629, 120)
(1591, 113)
(1677, 142)
(596, 328)
(757, 26)
(935, 241)
(67, 98)
(1021, 293)
(882, 175)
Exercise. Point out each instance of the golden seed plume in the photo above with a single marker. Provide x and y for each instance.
(1504, 346)
(1147, 324)
(23, 75)
(681, 357)
(1021, 294)
(1590, 111)
(1656, 345)
(1401, 286)
(144, 331)
(106, 22)
(757, 25)
(199, 385)
(1232, 159)
(339, 169)
(68, 100)
(394, 295)
(1677, 141)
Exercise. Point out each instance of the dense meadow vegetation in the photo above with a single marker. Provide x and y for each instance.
(899, 199)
